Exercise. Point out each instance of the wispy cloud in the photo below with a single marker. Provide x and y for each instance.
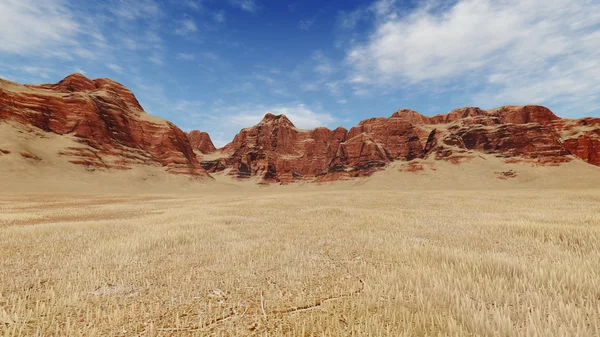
(306, 24)
(210, 56)
(185, 105)
(114, 67)
(246, 5)
(324, 65)
(135, 9)
(29, 26)
(267, 79)
(347, 20)
(513, 51)
(193, 4)
(185, 56)
(38, 71)
(186, 27)
(157, 59)
(219, 16)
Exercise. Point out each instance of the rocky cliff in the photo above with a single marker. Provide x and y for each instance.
(276, 151)
(113, 132)
(107, 121)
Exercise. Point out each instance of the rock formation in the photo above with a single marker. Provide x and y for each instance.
(276, 151)
(201, 141)
(113, 132)
(107, 121)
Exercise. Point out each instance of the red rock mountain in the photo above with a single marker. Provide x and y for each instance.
(113, 132)
(107, 121)
(201, 141)
(276, 151)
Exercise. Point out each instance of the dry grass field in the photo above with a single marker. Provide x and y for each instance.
(285, 262)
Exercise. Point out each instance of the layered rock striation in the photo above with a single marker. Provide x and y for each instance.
(275, 150)
(106, 120)
(113, 132)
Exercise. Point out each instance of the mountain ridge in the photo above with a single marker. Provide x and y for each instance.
(115, 133)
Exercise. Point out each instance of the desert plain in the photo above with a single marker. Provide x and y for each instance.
(397, 254)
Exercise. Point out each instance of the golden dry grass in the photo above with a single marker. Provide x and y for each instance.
(302, 263)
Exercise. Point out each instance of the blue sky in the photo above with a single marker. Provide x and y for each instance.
(220, 65)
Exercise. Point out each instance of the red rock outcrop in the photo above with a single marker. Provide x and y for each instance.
(526, 114)
(581, 137)
(512, 140)
(201, 141)
(276, 151)
(397, 136)
(105, 118)
(114, 132)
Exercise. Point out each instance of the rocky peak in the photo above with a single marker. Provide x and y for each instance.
(119, 90)
(526, 114)
(105, 120)
(411, 116)
(276, 120)
(201, 141)
(113, 132)
(464, 113)
(75, 83)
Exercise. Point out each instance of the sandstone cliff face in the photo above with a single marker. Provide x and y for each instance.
(201, 141)
(276, 151)
(115, 133)
(106, 119)
(581, 137)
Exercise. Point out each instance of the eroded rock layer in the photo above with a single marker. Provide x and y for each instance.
(105, 118)
(114, 132)
(201, 141)
(276, 151)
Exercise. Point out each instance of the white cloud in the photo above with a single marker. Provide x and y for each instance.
(186, 105)
(39, 71)
(27, 26)
(509, 52)
(323, 66)
(246, 5)
(135, 9)
(114, 67)
(185, 57)
(334, 87)
(244, 87)
(84, 53)
(210, 56)
(186, 27)
(156, 59)
(67, 31)
(219, 16)
(310, 86)
(306, 24)
(197, 6)
(267, 79)
(349, 20)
